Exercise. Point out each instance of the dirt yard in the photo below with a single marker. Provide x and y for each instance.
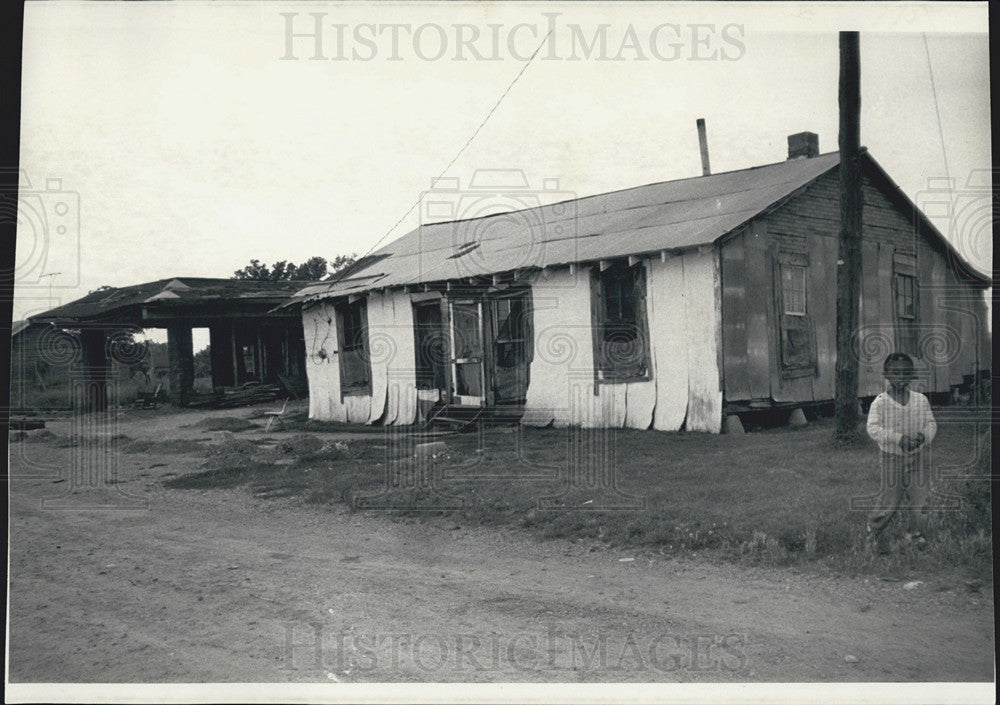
(199, 585)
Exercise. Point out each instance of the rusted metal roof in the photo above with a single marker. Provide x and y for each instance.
(672, 215)
(166, 294)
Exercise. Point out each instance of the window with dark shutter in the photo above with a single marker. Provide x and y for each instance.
(355, 371)
(796, 334)
(904, 285)
(621, 341)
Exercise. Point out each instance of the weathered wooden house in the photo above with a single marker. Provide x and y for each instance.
(665, 306)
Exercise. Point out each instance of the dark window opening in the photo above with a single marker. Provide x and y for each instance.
(431, 345)
(621, 341)
(355, 373)
(511, 335)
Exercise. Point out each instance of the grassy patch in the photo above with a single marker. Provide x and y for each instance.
(775, 497)
(225, 423)
(170, 446)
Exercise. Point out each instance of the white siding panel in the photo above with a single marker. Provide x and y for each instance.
(358, 407)
(561, 390)
(379, 341)
(702, 303)
(640, 402)
(402, 374)
(668, 337)
(391, 351)
(322, 368)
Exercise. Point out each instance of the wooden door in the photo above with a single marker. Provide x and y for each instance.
(467, 368)
(510, 360)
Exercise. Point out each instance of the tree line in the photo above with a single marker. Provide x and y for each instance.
(313, 269)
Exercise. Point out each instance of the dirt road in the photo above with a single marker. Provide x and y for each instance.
(215, 585)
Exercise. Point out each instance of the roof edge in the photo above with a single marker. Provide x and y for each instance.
(964, 267)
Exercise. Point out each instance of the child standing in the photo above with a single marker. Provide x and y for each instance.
(901, 422)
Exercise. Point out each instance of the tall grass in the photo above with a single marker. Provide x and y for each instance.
(776, 497)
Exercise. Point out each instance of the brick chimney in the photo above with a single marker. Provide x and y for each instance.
(803, 144)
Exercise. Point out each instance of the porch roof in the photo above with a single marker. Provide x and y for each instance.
(175, 298)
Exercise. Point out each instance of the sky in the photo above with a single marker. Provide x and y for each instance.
(186, 138)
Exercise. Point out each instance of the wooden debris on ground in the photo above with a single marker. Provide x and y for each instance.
(228, 398)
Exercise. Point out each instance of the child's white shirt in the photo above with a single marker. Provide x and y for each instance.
(889, 421)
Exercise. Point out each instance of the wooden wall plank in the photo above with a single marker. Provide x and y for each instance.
(668, 337)
(886, 319)
(358, 407)
(702, 310)
(562, 367)
(735, 376)
(758, 281)
(639, 404)
(940, 322)
(963, 361)
(402, 367)
(618, 407)
(379, 337)
(874, 343)
(322, 368)
(823, 309)
(640, 397)
(782, 390)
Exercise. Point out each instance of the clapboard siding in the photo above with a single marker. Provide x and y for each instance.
(952, 312)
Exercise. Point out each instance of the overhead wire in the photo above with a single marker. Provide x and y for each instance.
(937, 111)
(479, 128)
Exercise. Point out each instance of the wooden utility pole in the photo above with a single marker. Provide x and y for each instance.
(849, 251)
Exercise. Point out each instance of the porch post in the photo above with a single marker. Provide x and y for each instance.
(219, 344)
(95, 370)
(180, 354)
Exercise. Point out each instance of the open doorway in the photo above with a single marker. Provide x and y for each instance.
(202, 360)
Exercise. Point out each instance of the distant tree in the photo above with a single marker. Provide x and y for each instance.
(313, 269)
(343, 261)
(254, 270)
(102, 287)
(203, 363)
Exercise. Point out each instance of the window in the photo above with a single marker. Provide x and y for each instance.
(621, 348)
(248, 360)
(796, 333)
(355, 373)
(793, 289)
(904, 285)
